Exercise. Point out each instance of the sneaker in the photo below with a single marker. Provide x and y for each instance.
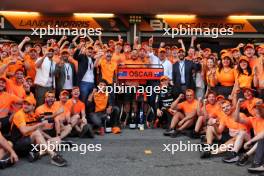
(232, 157)
(174, 134)
(168, 132)
(87, 131)
(243, 160)
(205, 154)
(256, 168)
(68, 143)
(33, 156)
(5, 162)
(195, 135)
(203, 138)
(57, 160)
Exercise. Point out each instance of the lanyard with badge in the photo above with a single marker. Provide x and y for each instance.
(67, 72)
(181, 68)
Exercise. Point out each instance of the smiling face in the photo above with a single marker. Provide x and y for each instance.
(248, 94)
(243, 64)
(50, 99)
(249, 52)
(226, 62)
(189, 95)
(210, 63)
(211, 98)
(227, 107)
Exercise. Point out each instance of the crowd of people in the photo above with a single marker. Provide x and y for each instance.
(54, 90)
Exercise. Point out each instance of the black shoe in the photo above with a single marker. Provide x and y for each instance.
(168, 132)
(87, 131)
(205, 154)
(243, 160)
(203, 138)
(57, 160)
(232, 157)
(68, 143)
(174, 134)
(33, 156)
(5, 162)
(195, 135)
(256, 168)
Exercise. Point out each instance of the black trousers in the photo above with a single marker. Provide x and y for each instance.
(98, 119)
(259, 154)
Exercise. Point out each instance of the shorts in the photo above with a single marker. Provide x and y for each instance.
(225, 137)
(51, 132)
(5, 125)
(23, 146)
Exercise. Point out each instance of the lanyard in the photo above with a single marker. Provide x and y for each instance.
(181, 67)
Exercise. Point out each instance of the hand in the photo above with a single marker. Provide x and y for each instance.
(26, 39)
(205, 101)
(247, 145)
(259, 103)
(194, 37)
(94, 90)
(74, 101)
(241, 45)
(109, 110)
(13, 157)
(162, 44)
(159, 113)
(180, 40)
(136, 40)
(172, 111)
(181, 96)
(64, 37)
(240, 100)
(198, 46)
(151, 40)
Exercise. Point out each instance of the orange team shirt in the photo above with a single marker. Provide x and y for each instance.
(226, 78)
(187, 107)
(5, 104)
(257, 124)
(100, 100)
(229, 122)
(250, 104)
(12, 68)
(77, 108)
(118, 58)
(13, 88)
(32, 70)
(21, 119)
(212, 110)
(244, 80)
(44, 108)
(108, 69)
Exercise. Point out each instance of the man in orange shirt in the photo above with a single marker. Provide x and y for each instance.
(238, 133)
(108, 66)
(249, 51)
(25, 131)
(5, 106)
(250, 102)
(105, 111)
(50, 111)
(207, 112)
(185, 115)
(77, 115)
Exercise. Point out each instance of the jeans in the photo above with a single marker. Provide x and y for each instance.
(85, 89)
